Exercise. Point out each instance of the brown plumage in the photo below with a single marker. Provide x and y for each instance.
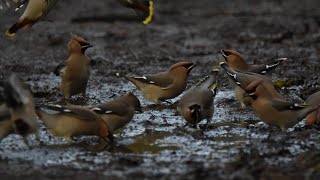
(237, 63)
(272, 110)
(245, 78)
(164, 85)
(77, 68)
(118, 112)
(314, 117)
(197, 103)
(235, 60)
(69, 121)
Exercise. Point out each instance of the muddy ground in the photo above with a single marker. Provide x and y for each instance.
(156, 144)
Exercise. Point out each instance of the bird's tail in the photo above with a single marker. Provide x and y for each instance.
(276, 63)
(18, 25)
(150, 17)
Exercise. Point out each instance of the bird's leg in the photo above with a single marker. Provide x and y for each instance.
(243, 105)
(191, 125)
(65, 100)
(167, 101)
(37, 137)
(207, 123)
(105, 144)
(84, 94)
(25, 140)
(185, 125)
(269, 135)
(315, 127)
(73, 138)
(68, 139)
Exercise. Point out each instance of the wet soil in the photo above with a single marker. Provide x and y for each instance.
(157, 144)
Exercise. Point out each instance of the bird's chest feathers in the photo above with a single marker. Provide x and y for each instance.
(79, 65)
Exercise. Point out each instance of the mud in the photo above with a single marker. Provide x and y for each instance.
(157, 144)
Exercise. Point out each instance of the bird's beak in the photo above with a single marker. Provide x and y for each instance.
(191, 67)
(84, 48)
(87, 46)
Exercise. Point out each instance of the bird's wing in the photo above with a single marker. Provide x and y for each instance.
(207, 98)
(115, 108)
(74, 111)
(161, 79)
(265, 68)
(282, 105)
(59, 68)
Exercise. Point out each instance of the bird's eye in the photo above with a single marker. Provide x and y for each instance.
(254, 97)
(83, 43)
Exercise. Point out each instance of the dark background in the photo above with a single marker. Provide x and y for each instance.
(156, 143)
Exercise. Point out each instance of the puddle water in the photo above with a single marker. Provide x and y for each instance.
(154, 137)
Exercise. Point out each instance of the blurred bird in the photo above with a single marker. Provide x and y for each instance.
(20, 103)
(314, 117)
(145, 6)
(236, 62)
(164, 85)
(197, 103)
(69, 121)
(35, 10)
(6, 125)
(273, 110)
(76, 70)
(118, 112)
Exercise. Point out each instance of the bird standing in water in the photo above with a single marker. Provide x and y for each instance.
(76, 70)
(197, 103)
(69, 121)
(118, 112)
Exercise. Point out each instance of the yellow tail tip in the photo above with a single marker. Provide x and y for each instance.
(10, 34)
(215, 70)
(222, 63)
(149, 18)
(214, 86)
